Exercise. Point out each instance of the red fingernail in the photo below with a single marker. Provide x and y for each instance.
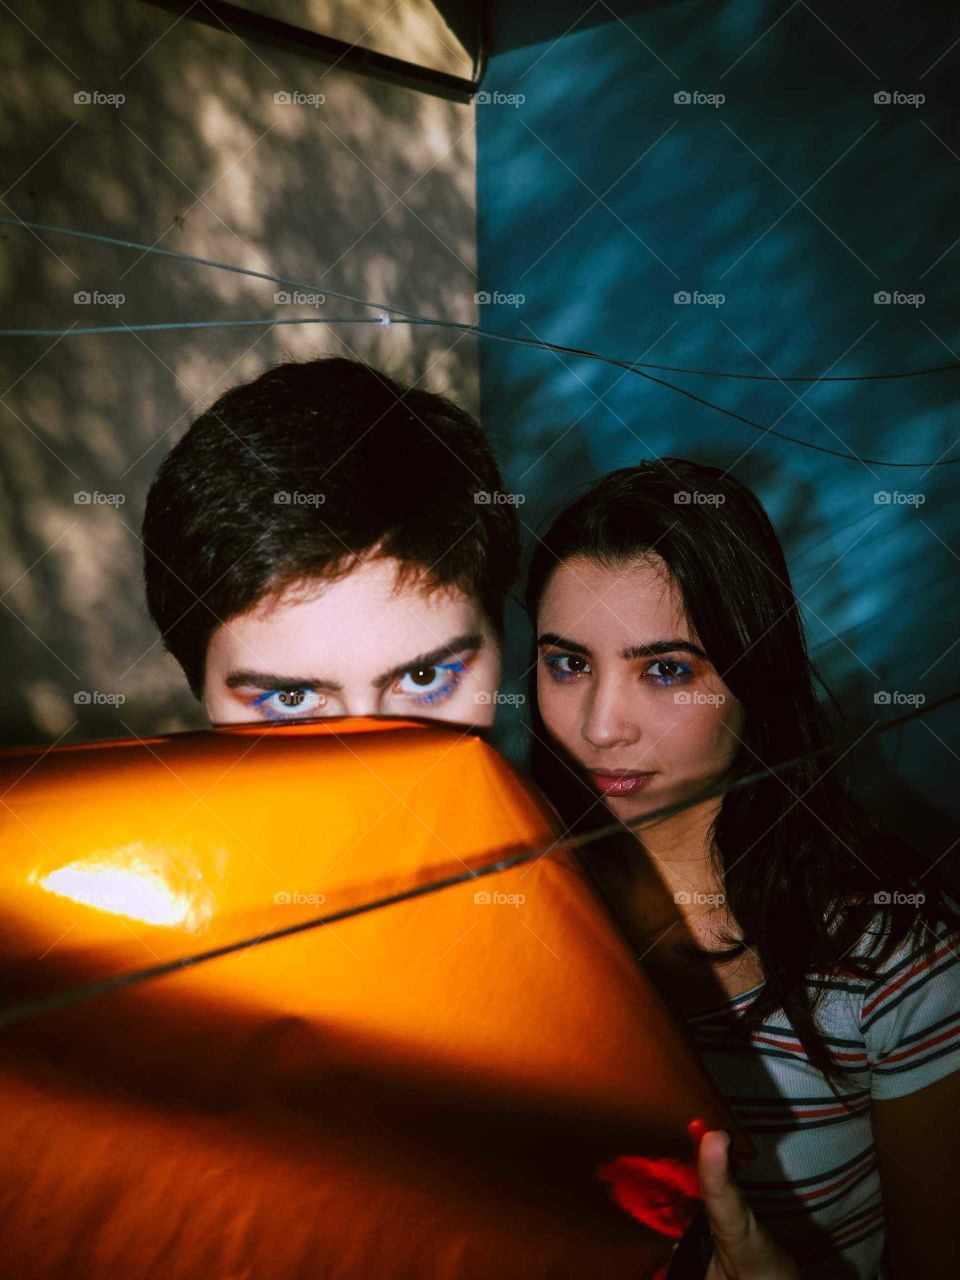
(696, 1129)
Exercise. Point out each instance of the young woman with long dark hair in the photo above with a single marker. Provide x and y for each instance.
(814, 957)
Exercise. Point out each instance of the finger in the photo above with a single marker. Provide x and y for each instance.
(731, 1218)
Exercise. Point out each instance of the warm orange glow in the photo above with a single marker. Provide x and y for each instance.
(395, 1095)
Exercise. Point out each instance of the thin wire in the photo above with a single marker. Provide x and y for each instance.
(413, 318)
(636, 367)
(27, 1010)
(265, 321)
(631, 366)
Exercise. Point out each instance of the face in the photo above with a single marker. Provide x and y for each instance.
(357, 646)
(626, 688)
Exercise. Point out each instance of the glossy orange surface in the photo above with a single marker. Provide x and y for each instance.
(423, 1091)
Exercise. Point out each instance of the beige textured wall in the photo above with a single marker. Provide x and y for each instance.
(371, 193)
(415, 30)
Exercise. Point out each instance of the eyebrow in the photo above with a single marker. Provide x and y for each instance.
(652, 650)
(472, 640)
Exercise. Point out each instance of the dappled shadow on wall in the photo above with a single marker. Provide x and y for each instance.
(174, 134)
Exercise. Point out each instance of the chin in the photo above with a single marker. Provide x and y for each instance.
(632, 811)
(635, 803)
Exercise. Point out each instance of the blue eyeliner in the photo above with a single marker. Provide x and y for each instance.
(552, 661)
(684, 670)
(455, 668)
(263, 697)
(445, 690)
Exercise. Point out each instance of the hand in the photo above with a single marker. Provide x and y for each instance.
(742, 1249)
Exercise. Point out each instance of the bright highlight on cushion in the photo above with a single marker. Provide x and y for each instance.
(128, 883)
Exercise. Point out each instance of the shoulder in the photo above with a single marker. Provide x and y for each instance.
(909, 1012)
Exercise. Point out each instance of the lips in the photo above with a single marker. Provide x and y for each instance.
(620, 782)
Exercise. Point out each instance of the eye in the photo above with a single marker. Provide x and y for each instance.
(673, 671)
(426, 685)
(566, 666)
(287, 704)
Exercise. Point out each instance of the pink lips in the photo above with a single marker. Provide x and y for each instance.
(620, 784)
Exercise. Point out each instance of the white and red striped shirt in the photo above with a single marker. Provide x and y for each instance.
(815, 1185)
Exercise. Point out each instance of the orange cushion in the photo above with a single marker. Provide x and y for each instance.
(425, 1090)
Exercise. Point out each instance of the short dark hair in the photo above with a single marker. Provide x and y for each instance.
(298, 474)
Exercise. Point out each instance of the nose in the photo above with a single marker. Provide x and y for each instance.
(607, 722)
(360, 702)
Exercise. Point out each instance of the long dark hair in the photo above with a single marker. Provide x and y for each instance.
(799, 879)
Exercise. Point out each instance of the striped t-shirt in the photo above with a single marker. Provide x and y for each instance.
(815, 1184)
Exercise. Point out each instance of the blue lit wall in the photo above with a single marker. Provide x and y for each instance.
(798, 198)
